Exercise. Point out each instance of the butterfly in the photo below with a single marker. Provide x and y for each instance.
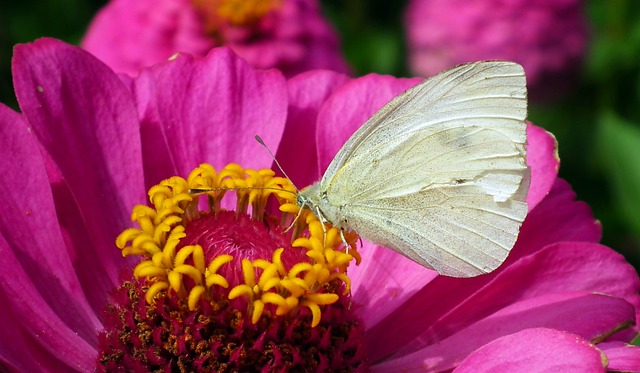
(439, 173)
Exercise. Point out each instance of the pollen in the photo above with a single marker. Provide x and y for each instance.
(307, 272)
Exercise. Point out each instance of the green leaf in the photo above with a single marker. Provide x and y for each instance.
(620, 145)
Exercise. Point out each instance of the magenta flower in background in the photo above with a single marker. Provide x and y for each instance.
(88, 143)
(291, 35)
(548, 38)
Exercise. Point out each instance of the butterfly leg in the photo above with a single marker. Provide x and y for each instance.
(294, 220)
(344, 241)
(323, 221)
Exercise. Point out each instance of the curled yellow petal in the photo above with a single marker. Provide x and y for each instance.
(194, 297)
(155, 289)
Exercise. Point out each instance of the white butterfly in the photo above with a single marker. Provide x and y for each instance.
(438, 174)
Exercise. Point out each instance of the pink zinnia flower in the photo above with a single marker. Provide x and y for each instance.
(548, 38)
(291, 35)
(87, 145)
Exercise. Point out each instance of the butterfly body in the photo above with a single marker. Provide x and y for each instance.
(438, 174)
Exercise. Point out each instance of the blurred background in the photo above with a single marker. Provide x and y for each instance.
(587, 89)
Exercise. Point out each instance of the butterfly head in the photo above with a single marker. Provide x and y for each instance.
(309, 197)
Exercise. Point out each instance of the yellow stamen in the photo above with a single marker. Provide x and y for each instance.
(249, 273)
(315, 312)
(194, 297)
(172, 269)
(258, 308)
(190, 271)
(148, 271)
(154, 290)
(241, 290)
(175, 280)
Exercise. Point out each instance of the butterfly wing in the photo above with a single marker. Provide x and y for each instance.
(490, 93)
(444, 158)
(454, 229)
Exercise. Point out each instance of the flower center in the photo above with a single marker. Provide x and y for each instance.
(218, 289)
(240, 13)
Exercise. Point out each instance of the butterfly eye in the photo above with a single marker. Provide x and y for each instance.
(303, 200)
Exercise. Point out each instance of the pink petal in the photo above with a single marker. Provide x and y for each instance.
(349, 107)
(296, 37)
(548, 40)
(208, 110)
(559, 217)
(40, 333)
(574, 266)
(129, 35)
(43, 304)
(384, 281)
(622, 357)
(591, 316)
(535, 350)
(542, 158)
(298, 152)
(84, 117)
(35, 236)
(558, 268)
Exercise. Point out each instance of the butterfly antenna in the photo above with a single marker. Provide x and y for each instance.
(205, 190)
(259, 139)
